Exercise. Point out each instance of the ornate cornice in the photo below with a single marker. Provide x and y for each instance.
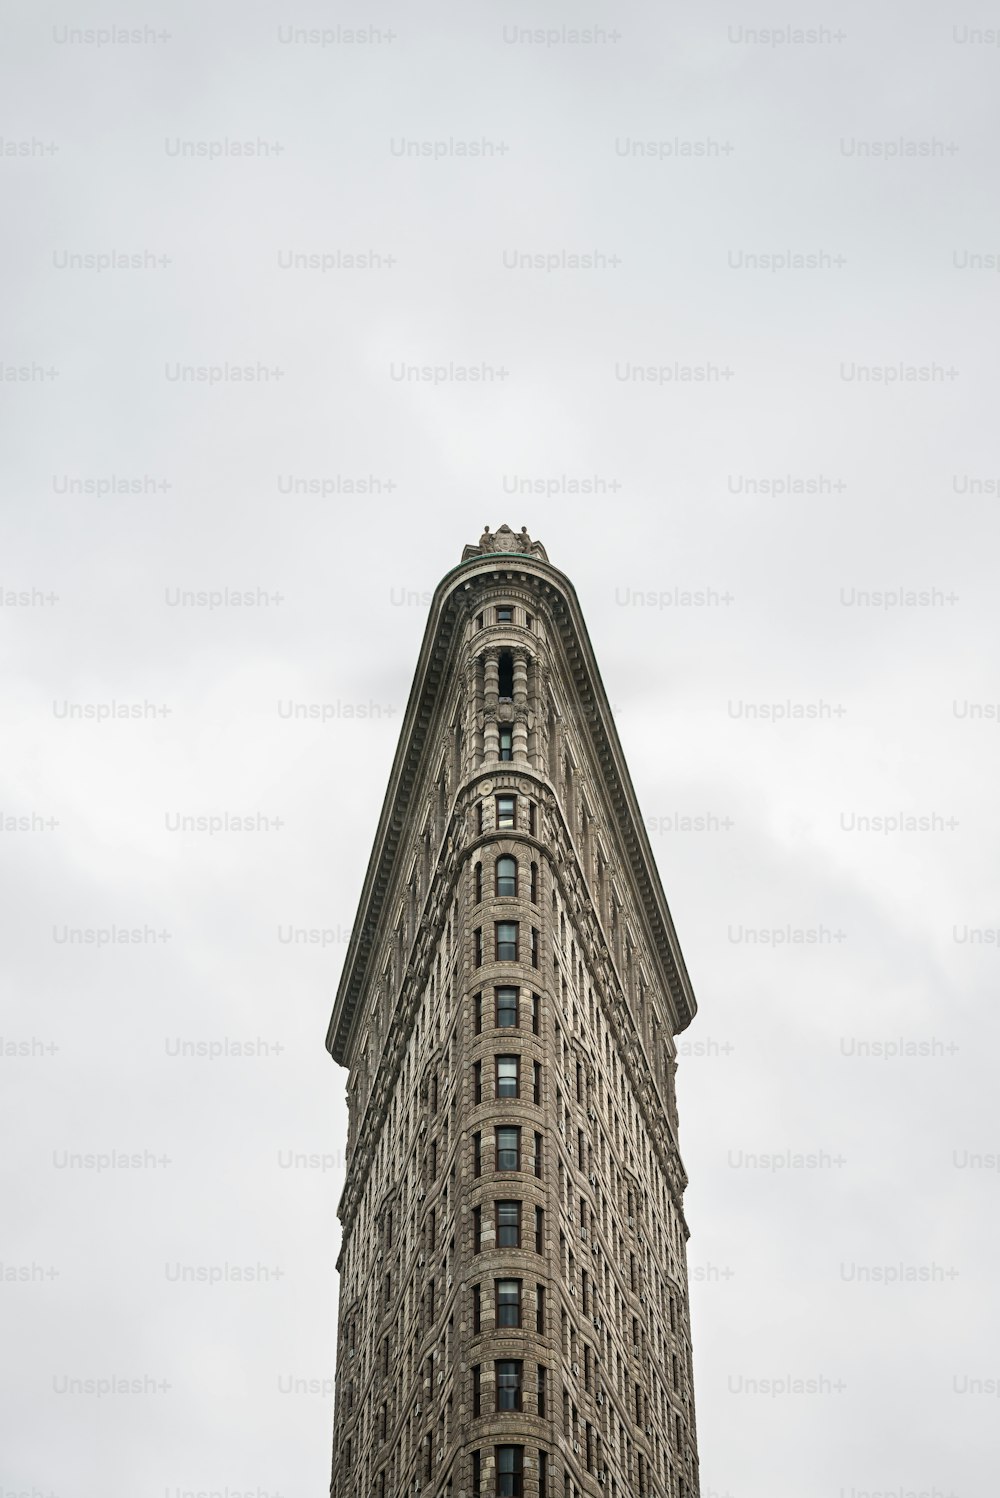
(453, 600)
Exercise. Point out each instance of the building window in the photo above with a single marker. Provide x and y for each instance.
(540, 1310)
(476, 1392)
(477, 1153)
(479, 884)
(540, 1389)
(477, 1230)
(477, 1010)
(510, 1471)
(539, 1230)
(477, 1467)
(508, 1302)
(506, 1008)
(479, 817)
(505, 674)
(538, 1155)
(536, 1014)
(477, 947)
(505, 613)
(508, 1148)
(506, 741)
(477, 1082)
(477, 1309)
(536, 1086)
(508, 1224)
(506, 876)
(479, 621)
(543, 1473)
(532, 817)
(509, 1376)
(534, 947)
(506, 941)
(508, 1076)
(505, 812)
(533, 891)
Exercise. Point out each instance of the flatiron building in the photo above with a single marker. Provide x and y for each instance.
(513, 1286)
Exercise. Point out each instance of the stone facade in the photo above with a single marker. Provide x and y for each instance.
(513, 1282)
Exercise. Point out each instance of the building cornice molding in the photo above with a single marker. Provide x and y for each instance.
(450, 607)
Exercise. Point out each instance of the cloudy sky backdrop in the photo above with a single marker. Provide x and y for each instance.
(787, 559)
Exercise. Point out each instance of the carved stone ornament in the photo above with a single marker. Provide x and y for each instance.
(506, 542)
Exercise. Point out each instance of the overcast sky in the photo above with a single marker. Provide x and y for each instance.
(787, 562)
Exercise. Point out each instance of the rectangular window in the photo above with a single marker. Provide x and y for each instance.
(477, 1082)
(477, 1308)
(508, 1141)
(476, 1392)
(536, 1084)
(506, 1008)
(532, 818)
(508, 1308)
(506, 936)
(509, 1375)
(508, 1224)
(510, 1471)
(533, 892)
(540, 1309)
(505, 812)
(543, 1467)
(534, 947)
(536, 1015)
(506, 741)
(477, 1467)
(539, 1230)
(508, 1076)
(477, 1012)
(505, 613)
(477, 1154)
(477, 1229)
(479, 885)
(477, 947)
(540, 1389)
(538, 1155)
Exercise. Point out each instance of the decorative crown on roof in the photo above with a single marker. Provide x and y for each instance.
(506, 541)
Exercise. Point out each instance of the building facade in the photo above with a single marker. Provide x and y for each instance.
(513, 1286)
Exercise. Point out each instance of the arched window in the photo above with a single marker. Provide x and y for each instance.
(506, 876)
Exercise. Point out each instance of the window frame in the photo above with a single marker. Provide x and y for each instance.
(508, 1201)
(516, 1304)
(507, 949)
(499, 1129)
(515, 1489)
(505, 894)
(507, 988)
(516, 1388)
(506, 1056)
(501, 814)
